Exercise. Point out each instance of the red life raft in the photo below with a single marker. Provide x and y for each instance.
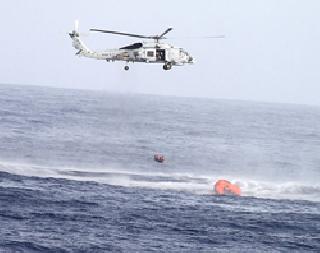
(158, 158)
(224, 187)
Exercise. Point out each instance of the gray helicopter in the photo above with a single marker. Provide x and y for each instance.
(154, 51)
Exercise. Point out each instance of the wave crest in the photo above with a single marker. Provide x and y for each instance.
(198, 184)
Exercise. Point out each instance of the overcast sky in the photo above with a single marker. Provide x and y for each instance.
(271, 51)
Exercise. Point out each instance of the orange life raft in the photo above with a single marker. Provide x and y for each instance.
(224, 187)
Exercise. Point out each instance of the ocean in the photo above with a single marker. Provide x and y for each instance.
(77, 173)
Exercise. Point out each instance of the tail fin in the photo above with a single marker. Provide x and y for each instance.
(76, 41)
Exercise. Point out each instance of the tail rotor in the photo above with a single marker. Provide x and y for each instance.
(75, 33)
(76, 25)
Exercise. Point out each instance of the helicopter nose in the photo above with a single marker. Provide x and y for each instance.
(190, 59)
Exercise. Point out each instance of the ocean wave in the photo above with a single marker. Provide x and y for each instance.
(196, 184)
(290, 190)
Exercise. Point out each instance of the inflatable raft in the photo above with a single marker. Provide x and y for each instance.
(224, 187)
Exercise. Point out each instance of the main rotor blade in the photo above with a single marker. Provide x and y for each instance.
(165, 32)
(215, 37)
(199, 37)
(124, 34)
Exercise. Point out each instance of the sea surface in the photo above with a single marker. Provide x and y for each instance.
(77, 173)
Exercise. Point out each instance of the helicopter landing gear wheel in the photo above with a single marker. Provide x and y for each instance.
(126, 68)
(167, 66)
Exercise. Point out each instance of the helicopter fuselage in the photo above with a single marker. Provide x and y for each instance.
(150, 53)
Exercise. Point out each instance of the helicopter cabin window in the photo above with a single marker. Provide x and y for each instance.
(150, 54)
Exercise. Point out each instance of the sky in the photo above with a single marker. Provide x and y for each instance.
(271, 51)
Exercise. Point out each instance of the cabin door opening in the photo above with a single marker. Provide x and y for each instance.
(161, 55)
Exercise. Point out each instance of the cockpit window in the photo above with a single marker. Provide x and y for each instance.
(133, 46)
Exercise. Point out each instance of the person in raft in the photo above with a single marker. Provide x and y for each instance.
(158, 158)
(224, 187)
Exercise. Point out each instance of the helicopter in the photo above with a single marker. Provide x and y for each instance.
(154, 51)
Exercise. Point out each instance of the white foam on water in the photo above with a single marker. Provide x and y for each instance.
(168, 181)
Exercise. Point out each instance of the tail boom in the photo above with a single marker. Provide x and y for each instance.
(77, 43)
